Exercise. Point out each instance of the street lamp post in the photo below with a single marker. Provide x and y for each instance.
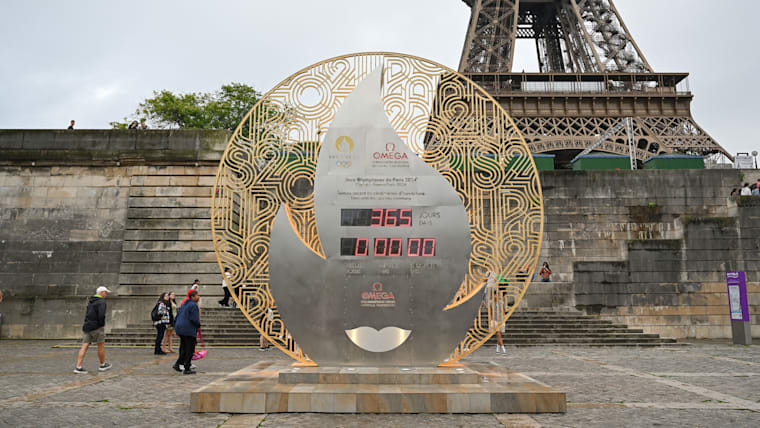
(754, 154)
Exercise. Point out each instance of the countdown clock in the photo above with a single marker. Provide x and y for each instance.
(370, 216)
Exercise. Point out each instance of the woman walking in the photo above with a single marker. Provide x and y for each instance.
(161, 323)
(169, 334)
(495, 307)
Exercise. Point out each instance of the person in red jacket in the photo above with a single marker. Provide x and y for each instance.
(195, 286)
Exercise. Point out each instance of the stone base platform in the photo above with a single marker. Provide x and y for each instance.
(266, 387)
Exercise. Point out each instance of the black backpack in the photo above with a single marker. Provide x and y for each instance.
(154, 315)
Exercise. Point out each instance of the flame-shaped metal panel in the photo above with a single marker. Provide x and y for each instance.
(432, 114)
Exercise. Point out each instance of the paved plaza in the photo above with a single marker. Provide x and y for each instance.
(700, 385)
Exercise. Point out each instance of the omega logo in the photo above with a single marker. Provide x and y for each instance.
(377, 293)
(390, 153)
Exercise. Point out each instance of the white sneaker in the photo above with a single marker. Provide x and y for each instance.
(503, 349)
(498, 351)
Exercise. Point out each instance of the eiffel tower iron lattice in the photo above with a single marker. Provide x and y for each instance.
(591, 76)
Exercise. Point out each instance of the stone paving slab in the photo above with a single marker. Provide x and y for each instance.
(747, 387)
(316, 420)
(646, 418)
(607, 389)
(705, 384)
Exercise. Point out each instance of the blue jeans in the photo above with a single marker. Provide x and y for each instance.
(546, 280)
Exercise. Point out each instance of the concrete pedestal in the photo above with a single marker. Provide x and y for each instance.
(266, 387)
(741, 332)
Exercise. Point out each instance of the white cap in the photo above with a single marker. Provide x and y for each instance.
(102, 289)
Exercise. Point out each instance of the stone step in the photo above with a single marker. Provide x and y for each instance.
(580, 335)
(170, 202)
(560, 331)
(169, 278)
(550, 317)
(215, 339)
(168, 180)
(168, 256)
(583, 340)
(206, 331)
(177, 267)
(168, 192)
(204, 246)
(242, 336)
(209, 292)
(515, 324)
(208, 340)
(169, 213)
(146, 344)
(594, 345)
(168, 223)
(167, 235)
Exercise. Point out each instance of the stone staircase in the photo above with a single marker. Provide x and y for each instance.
(220, 327)
(228, 327)
(535, 327)
(168, 242)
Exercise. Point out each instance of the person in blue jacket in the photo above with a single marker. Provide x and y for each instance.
(186, 326)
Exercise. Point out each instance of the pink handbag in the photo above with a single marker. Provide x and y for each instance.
(197, 355)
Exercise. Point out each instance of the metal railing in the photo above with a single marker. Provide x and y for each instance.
(592, 83)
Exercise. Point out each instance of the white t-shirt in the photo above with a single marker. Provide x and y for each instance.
(746, 191)
(490, 287)
(224, 280)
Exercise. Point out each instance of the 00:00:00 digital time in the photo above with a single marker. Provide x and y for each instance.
(387, 247)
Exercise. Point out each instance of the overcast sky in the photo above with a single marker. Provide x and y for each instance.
(95, 60)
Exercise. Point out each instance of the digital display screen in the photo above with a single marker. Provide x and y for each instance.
(376, 217)
(387, 247)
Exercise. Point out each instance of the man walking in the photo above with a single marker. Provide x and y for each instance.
(94, 330)
(225, 302)
(186, 326)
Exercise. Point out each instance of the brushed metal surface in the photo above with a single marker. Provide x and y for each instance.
(364, 164)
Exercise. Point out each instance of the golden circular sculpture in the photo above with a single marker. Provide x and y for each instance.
(446, 119)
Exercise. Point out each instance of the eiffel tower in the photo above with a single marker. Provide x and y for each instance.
(592, 76)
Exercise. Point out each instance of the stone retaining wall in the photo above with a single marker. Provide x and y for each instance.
(650, 248)
(129, 210)
(119, 219)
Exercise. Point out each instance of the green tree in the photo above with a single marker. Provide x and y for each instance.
(222, 109)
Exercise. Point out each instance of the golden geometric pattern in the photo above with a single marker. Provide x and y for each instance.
(446, 119)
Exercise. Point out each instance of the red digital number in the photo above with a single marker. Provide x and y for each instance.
(395, 247)
(391, 217)
(406, 218)
(381, 246)
(362, 247)
(377, 217)
(413, 247)
(428, 247)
